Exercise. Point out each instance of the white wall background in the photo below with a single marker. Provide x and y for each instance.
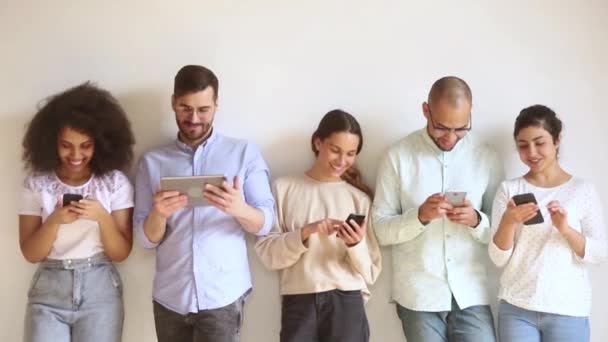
(282, 65)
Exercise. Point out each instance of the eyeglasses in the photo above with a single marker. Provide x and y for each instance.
(188, 111)
(441, 131)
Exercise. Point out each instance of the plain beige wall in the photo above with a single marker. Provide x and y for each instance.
(282, 65)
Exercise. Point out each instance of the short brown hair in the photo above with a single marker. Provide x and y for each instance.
(195, 78)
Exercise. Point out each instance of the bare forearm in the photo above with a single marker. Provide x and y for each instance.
(505, 235)
(576, 241)
(252, 219)
(38, 246)
(117, 245)
(155, 226)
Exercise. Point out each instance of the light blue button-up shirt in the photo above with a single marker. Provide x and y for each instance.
(433, 262)
(201, 262)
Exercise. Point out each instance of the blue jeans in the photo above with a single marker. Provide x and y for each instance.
(473, 324)
(521, 325)
(77, 300)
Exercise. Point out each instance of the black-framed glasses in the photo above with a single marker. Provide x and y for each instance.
(441, 130)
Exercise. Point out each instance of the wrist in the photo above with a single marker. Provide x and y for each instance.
(422, 219)
(565, 229)
(478, 219)
(305, 233)
(157, 215)
(507, 223)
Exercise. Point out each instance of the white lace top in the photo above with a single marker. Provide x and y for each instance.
(80, 239)
(541, 271)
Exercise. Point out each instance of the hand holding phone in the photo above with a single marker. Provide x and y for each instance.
(529, 198)
(348, 233)
(69, 198)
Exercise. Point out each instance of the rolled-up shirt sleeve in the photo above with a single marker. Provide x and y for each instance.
(144, 200)
(256, 188)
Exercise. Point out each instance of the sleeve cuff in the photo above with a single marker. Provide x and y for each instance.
(595, 252)
(140, 235)
(498, 256)
(268, 221)
(481, 233)
(359, 250)
(294, 242)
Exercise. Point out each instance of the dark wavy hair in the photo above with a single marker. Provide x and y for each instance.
(89, 110)
(539, 116)
(340, 121)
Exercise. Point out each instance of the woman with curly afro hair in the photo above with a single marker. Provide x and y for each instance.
(75, 215)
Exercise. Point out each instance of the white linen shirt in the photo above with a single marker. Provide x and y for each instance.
(433, 262)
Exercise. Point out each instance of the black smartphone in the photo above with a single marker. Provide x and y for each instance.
(68, 198)
(529, 198)
(358, 218)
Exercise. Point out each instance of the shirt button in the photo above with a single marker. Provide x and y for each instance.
(447, 236)
(449, 259)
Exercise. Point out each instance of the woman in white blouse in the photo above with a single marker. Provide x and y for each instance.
(75, 216)
(545, 293)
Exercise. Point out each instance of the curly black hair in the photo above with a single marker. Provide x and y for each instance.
(87, 109)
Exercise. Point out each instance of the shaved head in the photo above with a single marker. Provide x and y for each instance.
(451, 90)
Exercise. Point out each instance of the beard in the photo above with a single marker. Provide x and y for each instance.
(192, 134)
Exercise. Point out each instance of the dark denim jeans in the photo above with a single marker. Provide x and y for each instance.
(215, 325)
(332, 316)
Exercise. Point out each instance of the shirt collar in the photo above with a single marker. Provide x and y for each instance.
(184, 147)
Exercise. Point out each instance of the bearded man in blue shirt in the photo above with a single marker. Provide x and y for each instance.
(202, 271)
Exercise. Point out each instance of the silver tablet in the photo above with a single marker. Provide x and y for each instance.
(192, 186)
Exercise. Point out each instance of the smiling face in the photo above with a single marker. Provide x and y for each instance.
(336, 154)
(194, 113)
(75, 151)
(447, 123)
(536, 148)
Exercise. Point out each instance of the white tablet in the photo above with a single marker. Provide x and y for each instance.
(192, 186)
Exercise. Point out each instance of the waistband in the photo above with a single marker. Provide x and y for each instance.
(69, 264)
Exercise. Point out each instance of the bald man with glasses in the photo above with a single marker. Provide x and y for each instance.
(439, 248)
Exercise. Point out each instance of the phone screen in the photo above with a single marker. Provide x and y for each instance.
(456, 198)
(68, 198)
(358, 218)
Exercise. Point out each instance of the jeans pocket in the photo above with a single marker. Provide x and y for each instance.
(32, 288)
(116, 280)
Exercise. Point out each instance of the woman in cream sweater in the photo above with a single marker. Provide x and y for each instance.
(325, 263)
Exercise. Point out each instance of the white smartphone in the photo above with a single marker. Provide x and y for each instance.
(456, 198)
(192, 186)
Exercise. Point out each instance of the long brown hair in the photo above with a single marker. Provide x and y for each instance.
(340, 121)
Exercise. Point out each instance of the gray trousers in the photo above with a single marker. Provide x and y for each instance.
(77, 300)
(331, 316)
(214, 325)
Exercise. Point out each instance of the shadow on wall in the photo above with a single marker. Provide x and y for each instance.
(149, 111)
(12, 128)
(290, 153)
